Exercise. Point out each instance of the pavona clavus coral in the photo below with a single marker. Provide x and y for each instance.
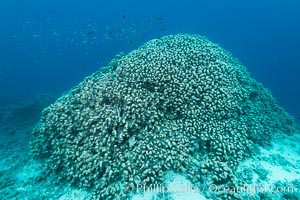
(178, 103)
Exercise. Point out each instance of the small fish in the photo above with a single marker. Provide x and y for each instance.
(124, 16)
(12, 132)
(91, 32)
(159, 18)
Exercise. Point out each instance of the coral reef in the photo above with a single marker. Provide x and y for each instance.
(177, 103)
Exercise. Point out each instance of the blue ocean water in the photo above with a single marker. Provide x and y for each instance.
(49, 46)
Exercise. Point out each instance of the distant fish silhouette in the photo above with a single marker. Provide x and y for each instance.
(159, 18)
(110, 32)
(91, 32)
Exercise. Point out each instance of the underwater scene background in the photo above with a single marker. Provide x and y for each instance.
(49, 47)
